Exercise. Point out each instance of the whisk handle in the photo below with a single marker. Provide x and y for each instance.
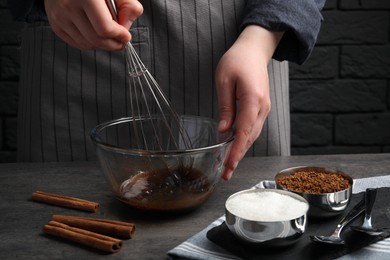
(112, 7)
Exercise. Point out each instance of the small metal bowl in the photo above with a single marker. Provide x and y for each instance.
(322, 205)
(265, 233)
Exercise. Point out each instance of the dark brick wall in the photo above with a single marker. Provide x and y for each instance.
(340, 98)
(9, 75)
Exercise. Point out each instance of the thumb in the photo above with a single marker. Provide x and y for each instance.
(128, 12)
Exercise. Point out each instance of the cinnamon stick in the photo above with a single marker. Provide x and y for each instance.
(88, 238)
(103, 226)
(65, 201)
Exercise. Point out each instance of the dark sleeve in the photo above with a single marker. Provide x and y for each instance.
(27, 10)
(300, 20)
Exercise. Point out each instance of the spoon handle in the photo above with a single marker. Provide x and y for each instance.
(353, 213)
(370, 197)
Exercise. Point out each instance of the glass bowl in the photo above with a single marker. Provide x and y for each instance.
(173, 179)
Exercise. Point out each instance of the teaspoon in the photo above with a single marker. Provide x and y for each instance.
(367, 227)
(335, 237)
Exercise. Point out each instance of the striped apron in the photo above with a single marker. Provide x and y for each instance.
(65, 92)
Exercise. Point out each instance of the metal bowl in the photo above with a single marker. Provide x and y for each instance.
(322, 204)
(271, 233)
(162, 180)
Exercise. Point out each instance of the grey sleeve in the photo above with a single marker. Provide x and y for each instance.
(300, 20)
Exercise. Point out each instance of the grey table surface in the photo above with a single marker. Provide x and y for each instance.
(21, 220)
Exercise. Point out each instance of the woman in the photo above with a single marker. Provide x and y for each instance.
(71, 81)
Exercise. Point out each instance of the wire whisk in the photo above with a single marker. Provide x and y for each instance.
(156, 125)
(159, 127)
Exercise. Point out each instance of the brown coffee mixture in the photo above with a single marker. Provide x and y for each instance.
(166, 190)
(313, 182)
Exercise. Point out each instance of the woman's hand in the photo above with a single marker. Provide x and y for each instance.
(242, 77)
(88, 24)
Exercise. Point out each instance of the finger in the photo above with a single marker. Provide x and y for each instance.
(233, 160)
(247, 130)
(226, 103)
(73, 37)
(237, 152)
(65, 29)
(89, 34)
(101, 21)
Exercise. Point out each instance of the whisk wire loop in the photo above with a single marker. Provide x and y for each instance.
(148, 102)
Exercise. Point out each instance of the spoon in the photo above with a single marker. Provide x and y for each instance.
(367, 227)
(335, 237)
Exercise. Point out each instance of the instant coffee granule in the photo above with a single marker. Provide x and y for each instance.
(313, 182)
